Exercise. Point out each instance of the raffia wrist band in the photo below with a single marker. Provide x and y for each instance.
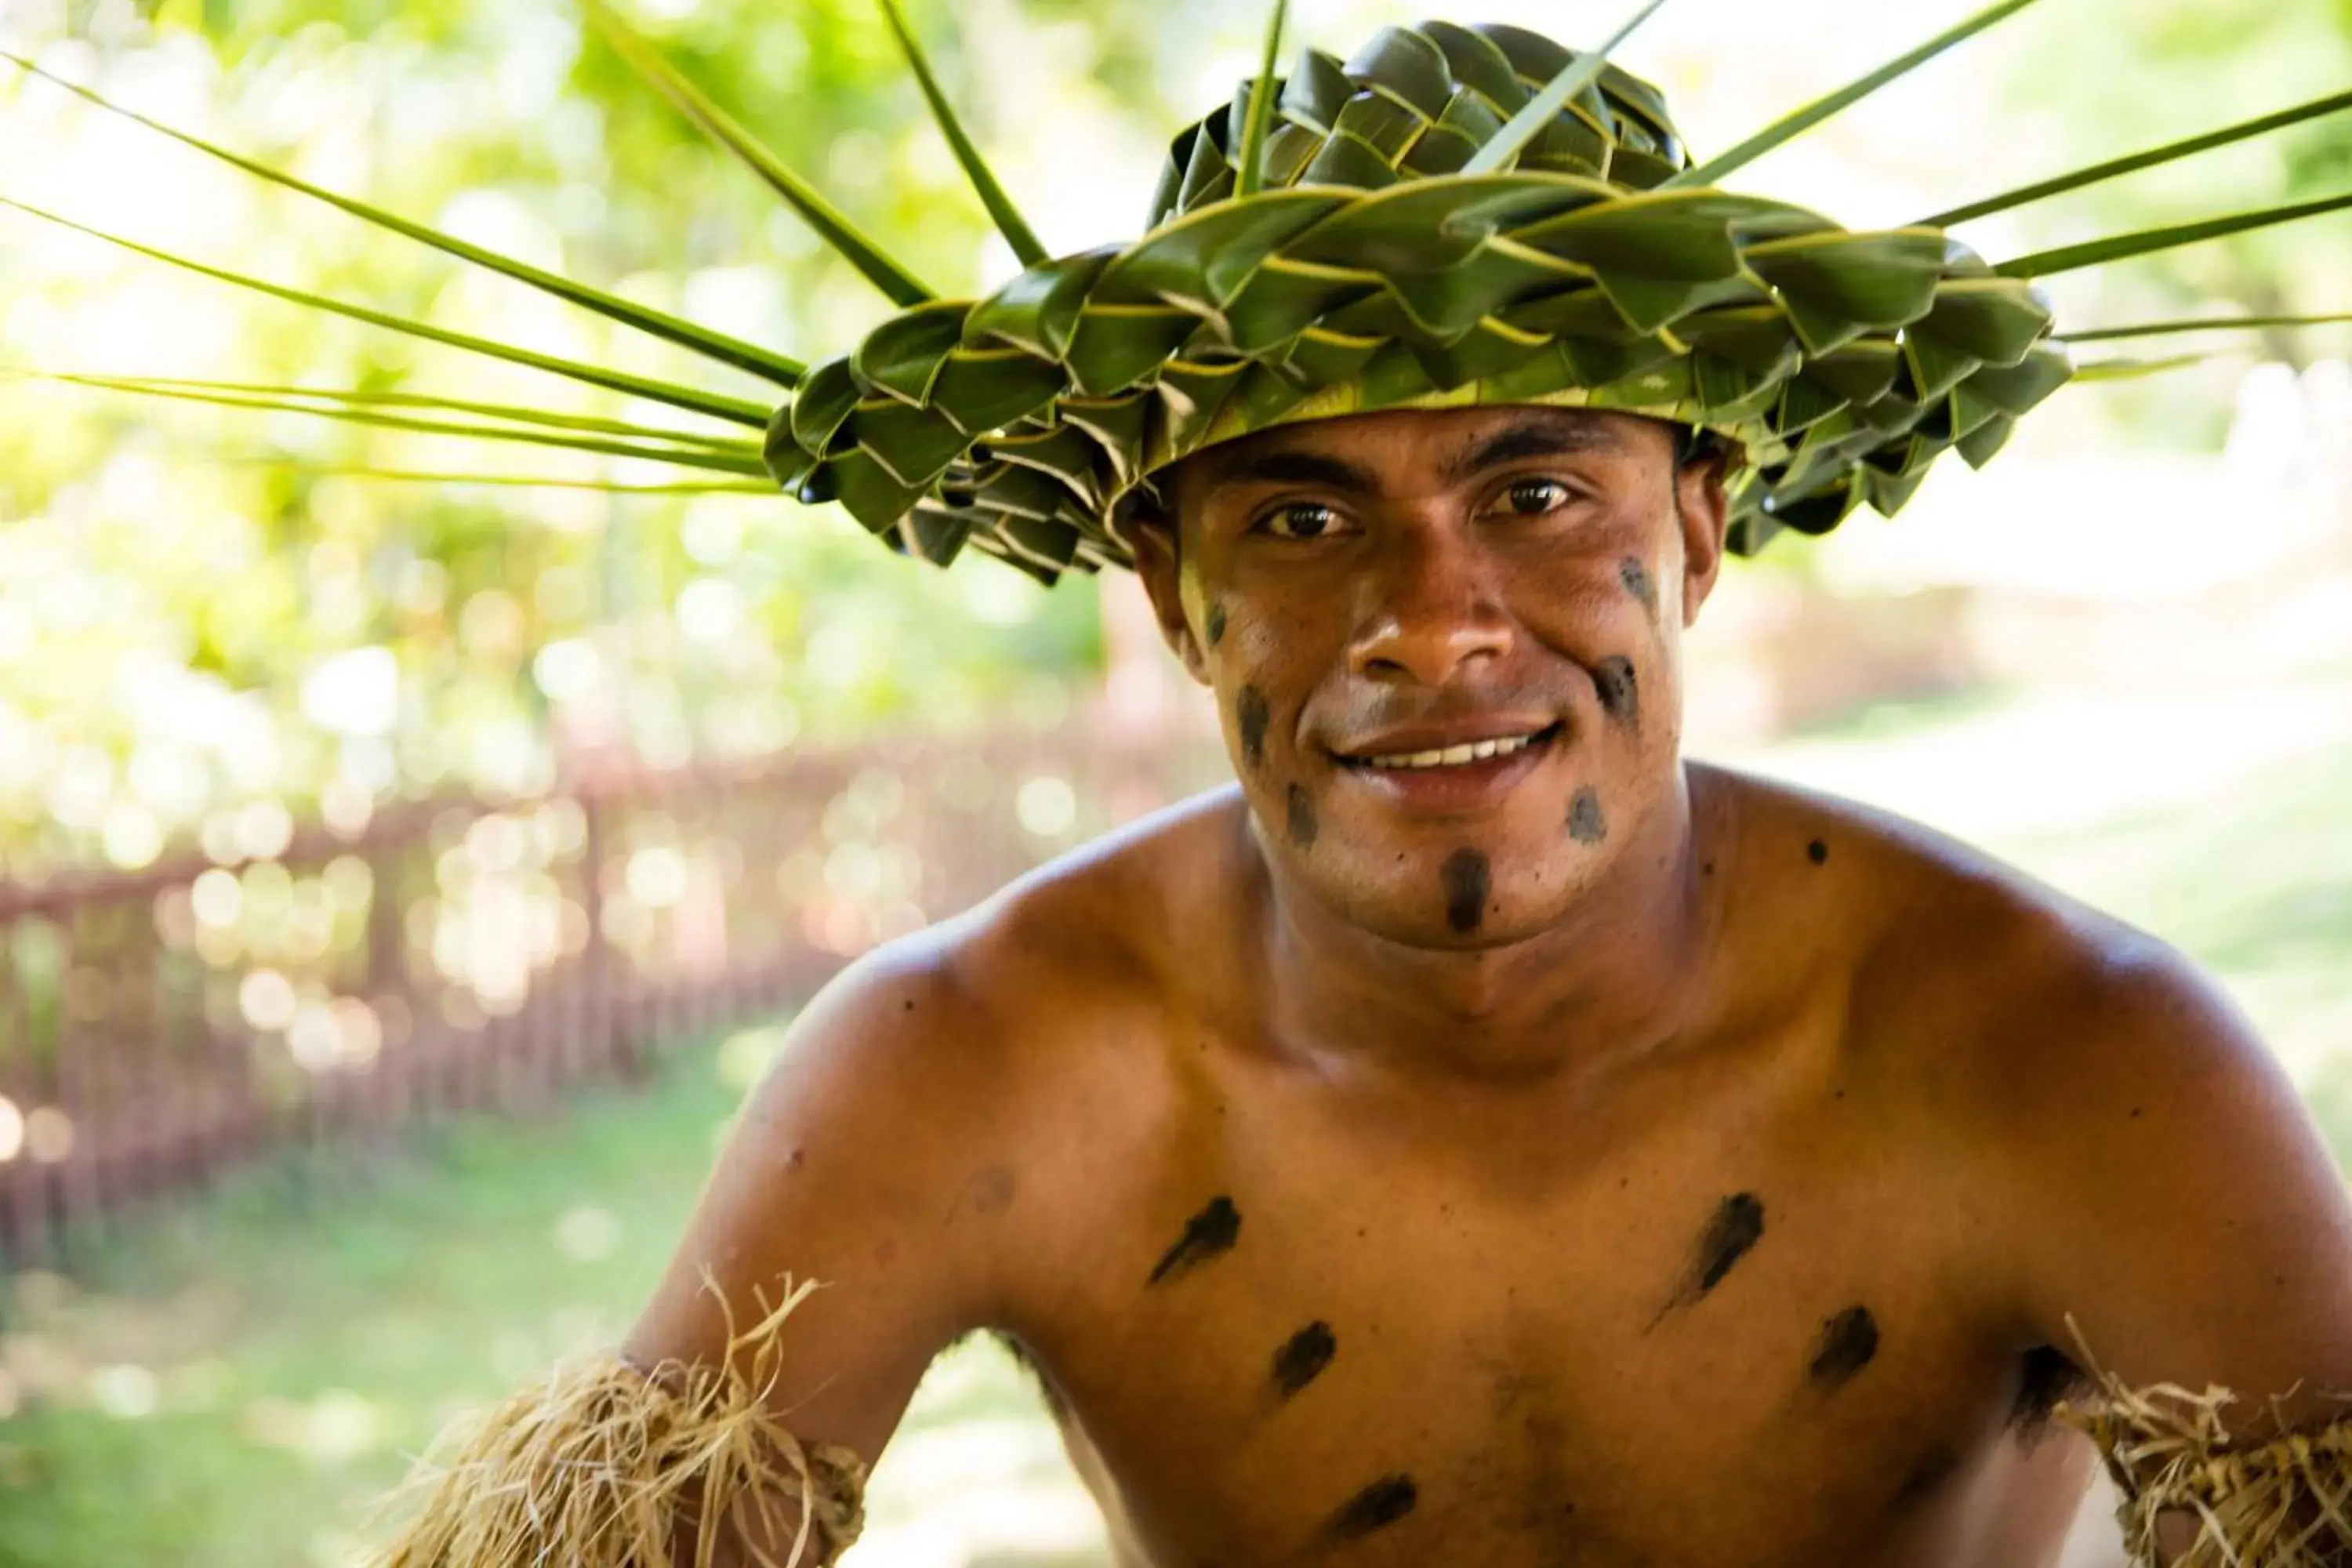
(603, 1465)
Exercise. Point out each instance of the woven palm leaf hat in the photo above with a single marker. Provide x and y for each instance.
(1453, 215)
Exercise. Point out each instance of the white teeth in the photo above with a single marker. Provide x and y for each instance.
(1455, 756)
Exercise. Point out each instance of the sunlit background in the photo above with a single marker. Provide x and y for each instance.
(401, 878)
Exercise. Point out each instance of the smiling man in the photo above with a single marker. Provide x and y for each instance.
(1485, 1137)
(1481, 1135)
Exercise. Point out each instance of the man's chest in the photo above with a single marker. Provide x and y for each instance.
(1732, 1341)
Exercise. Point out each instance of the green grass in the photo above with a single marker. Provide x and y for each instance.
(239, 1378)
(230, 1382)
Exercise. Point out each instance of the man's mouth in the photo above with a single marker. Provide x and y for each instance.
(1462, 754)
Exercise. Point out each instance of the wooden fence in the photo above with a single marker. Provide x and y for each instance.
(326, 987)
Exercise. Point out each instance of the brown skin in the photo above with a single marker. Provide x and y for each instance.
(1708, 1200)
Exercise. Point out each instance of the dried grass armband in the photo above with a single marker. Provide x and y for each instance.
(2286, 1503)
(603, 1466)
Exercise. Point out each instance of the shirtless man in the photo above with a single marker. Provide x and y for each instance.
(1568, 1155)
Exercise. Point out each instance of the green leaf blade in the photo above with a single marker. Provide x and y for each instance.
(424, 402)
(831, 224)
(718, 346)
(1000, 210)
(1539, 110)
(2148, 242)
(1250, 171)
(746, 462)
(1836, 103)
(2208, 324)
(732, 409)
(2116, 168)
(519, 481)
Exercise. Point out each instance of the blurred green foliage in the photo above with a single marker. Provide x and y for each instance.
(143, 579)
(2110, 76)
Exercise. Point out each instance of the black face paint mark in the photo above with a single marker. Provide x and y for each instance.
(1251, 714)
(1730, 1235)
(1585, 823)
(1302, 1360)
(1639, 583)
(1468, 879)
(1621, 696)
(1302, 825)
(1208, 1236)
(1216, 625)
(1848, 1343)
(1377, 1507)
(1818, 853)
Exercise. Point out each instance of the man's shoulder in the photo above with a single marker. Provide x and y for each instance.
(1965, 970)
(1115, 924)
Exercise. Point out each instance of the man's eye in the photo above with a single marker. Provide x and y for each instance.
(1304, 520)
(1533, 498)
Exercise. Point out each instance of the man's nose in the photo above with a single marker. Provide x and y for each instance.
(1433, 612)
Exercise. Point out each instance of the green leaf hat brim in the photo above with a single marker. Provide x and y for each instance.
(1457, 216)
(1368, 272)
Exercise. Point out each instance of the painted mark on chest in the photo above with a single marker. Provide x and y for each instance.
(1208, 1236)
(1302, 1358)
(1849, 1343)
(1377, 1506)
(1731, 1235)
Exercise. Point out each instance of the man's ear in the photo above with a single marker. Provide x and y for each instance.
(1151, 533)
(1705, 513)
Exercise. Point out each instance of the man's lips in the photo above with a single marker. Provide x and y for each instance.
(1436, 749)
(1410, 782)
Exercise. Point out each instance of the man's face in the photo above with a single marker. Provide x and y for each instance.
(1446, 648)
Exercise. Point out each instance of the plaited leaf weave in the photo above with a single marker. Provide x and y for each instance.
(1370, 275)
(1455, 216)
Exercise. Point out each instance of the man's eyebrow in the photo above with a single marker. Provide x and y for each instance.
(1532, 438)
(1298, 468)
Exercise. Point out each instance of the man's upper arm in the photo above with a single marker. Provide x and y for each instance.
(2174, 1199)
(864, 1162)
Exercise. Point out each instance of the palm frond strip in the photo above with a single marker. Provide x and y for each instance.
(1795, 125)
(718, 346)
(2201, 324)
(831, 224)
(745, 462)
(2154, 157)
(1000, 210)
(2148, 242)
(732, 409)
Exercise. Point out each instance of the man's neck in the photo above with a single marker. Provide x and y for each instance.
(1622, 973)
